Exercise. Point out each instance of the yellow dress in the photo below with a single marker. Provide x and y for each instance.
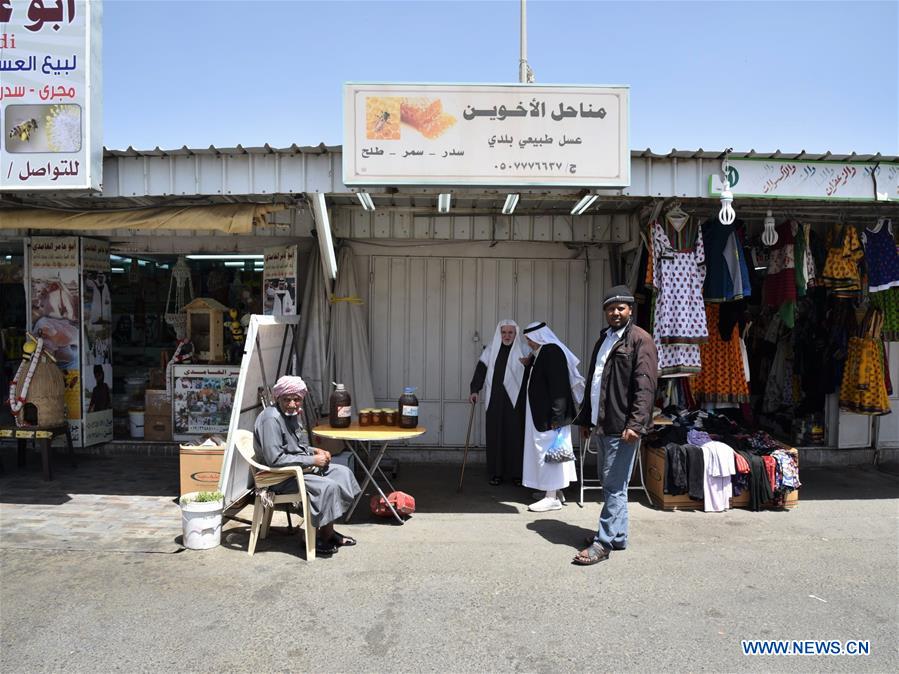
(863, 389)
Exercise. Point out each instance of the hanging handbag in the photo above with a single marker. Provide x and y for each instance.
(559, 451)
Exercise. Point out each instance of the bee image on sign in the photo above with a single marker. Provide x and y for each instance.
(384, 116)
(43, 128)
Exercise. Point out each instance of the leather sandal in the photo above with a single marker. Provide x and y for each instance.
(592, 555)
(325, 548)
(342, 541)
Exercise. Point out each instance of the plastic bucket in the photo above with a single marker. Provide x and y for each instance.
(201, 523)
(136, 421)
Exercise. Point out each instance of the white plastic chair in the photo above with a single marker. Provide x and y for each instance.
(265, 476)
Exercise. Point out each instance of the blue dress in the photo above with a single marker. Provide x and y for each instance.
(881, 258)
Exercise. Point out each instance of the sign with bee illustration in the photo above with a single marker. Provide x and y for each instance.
(50, 116)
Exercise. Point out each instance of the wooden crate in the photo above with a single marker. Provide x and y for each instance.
(654, 476)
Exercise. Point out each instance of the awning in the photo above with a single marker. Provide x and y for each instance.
(229, 218)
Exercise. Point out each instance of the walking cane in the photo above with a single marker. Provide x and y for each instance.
(467, 441)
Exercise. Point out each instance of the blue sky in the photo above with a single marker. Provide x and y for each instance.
(757, 75)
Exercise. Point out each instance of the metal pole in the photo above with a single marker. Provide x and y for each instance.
(523, 57)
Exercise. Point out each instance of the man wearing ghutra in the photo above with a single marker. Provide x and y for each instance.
(554, 388)
(499, 374)
(280, 439)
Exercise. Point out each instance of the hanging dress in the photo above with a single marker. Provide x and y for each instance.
(864, 390)
(844, 252)
(679, 321)
(779, 288)
(883, 277)
(723, 376)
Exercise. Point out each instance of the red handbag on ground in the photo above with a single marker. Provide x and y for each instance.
(404, 504)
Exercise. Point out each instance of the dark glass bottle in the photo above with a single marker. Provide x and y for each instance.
(341, 412)
(407, 412)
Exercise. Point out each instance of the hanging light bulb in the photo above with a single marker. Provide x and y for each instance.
(769, 236)
(726, 215)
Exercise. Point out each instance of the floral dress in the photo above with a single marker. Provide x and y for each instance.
(679, 320)
(723, 376)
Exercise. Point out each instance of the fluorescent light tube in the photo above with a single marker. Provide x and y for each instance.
(443, 202)
(234, 264)
(366, 201)
(232, 256)
(511, 203)
(118, 270)
(585, 203)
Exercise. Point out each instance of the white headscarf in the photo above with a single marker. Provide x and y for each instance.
(514, 369)
(540, 333)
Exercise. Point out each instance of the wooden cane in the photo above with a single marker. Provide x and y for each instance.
(467, 442)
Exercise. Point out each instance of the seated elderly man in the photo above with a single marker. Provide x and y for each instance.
(281, 440)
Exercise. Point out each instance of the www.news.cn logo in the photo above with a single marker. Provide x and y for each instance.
(805, 647)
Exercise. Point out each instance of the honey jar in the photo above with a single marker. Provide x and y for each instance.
(365, 417)
(388, 417)
(376, 417)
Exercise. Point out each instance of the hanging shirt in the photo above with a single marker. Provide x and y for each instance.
(612, 338)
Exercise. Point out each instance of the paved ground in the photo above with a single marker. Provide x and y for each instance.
(470, 583)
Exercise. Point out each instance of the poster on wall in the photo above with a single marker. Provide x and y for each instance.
(50, 115)
(279, 281)
(202, 398)
(55, 313)
(96, 310)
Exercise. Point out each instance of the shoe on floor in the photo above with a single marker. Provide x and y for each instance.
(541, 494)
(545, 505)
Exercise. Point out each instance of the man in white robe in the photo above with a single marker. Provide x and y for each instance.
(554, 389)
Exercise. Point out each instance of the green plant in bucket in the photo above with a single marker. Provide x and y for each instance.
(203, 497)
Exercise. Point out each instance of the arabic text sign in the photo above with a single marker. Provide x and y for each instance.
(50, 134)
(784, 179)
(447, 134)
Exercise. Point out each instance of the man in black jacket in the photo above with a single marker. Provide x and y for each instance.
(623, 372)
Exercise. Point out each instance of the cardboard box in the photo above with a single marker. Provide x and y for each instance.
(201, 467)
(158, 428)
(157, 403)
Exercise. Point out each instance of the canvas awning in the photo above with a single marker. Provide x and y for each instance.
(229, 218)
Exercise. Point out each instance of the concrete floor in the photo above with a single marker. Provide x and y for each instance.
(471, 582)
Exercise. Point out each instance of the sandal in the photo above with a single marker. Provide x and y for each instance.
(325, 548)
(339, 540)
(592, 555)
(590, 540)
(496, 480)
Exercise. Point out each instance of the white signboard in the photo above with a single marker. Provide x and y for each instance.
(502, 135)
(783, 179)
(50, 94)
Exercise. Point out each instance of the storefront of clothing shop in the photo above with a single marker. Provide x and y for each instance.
(433, 285)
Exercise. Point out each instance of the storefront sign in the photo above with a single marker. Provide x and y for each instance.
(96, 312)
(503, 135)
(50, 95)
(279, 281)
(782, 179)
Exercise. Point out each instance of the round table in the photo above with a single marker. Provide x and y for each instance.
(358, 439)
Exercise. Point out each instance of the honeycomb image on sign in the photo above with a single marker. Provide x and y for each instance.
(383, 115)
(426, 116)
